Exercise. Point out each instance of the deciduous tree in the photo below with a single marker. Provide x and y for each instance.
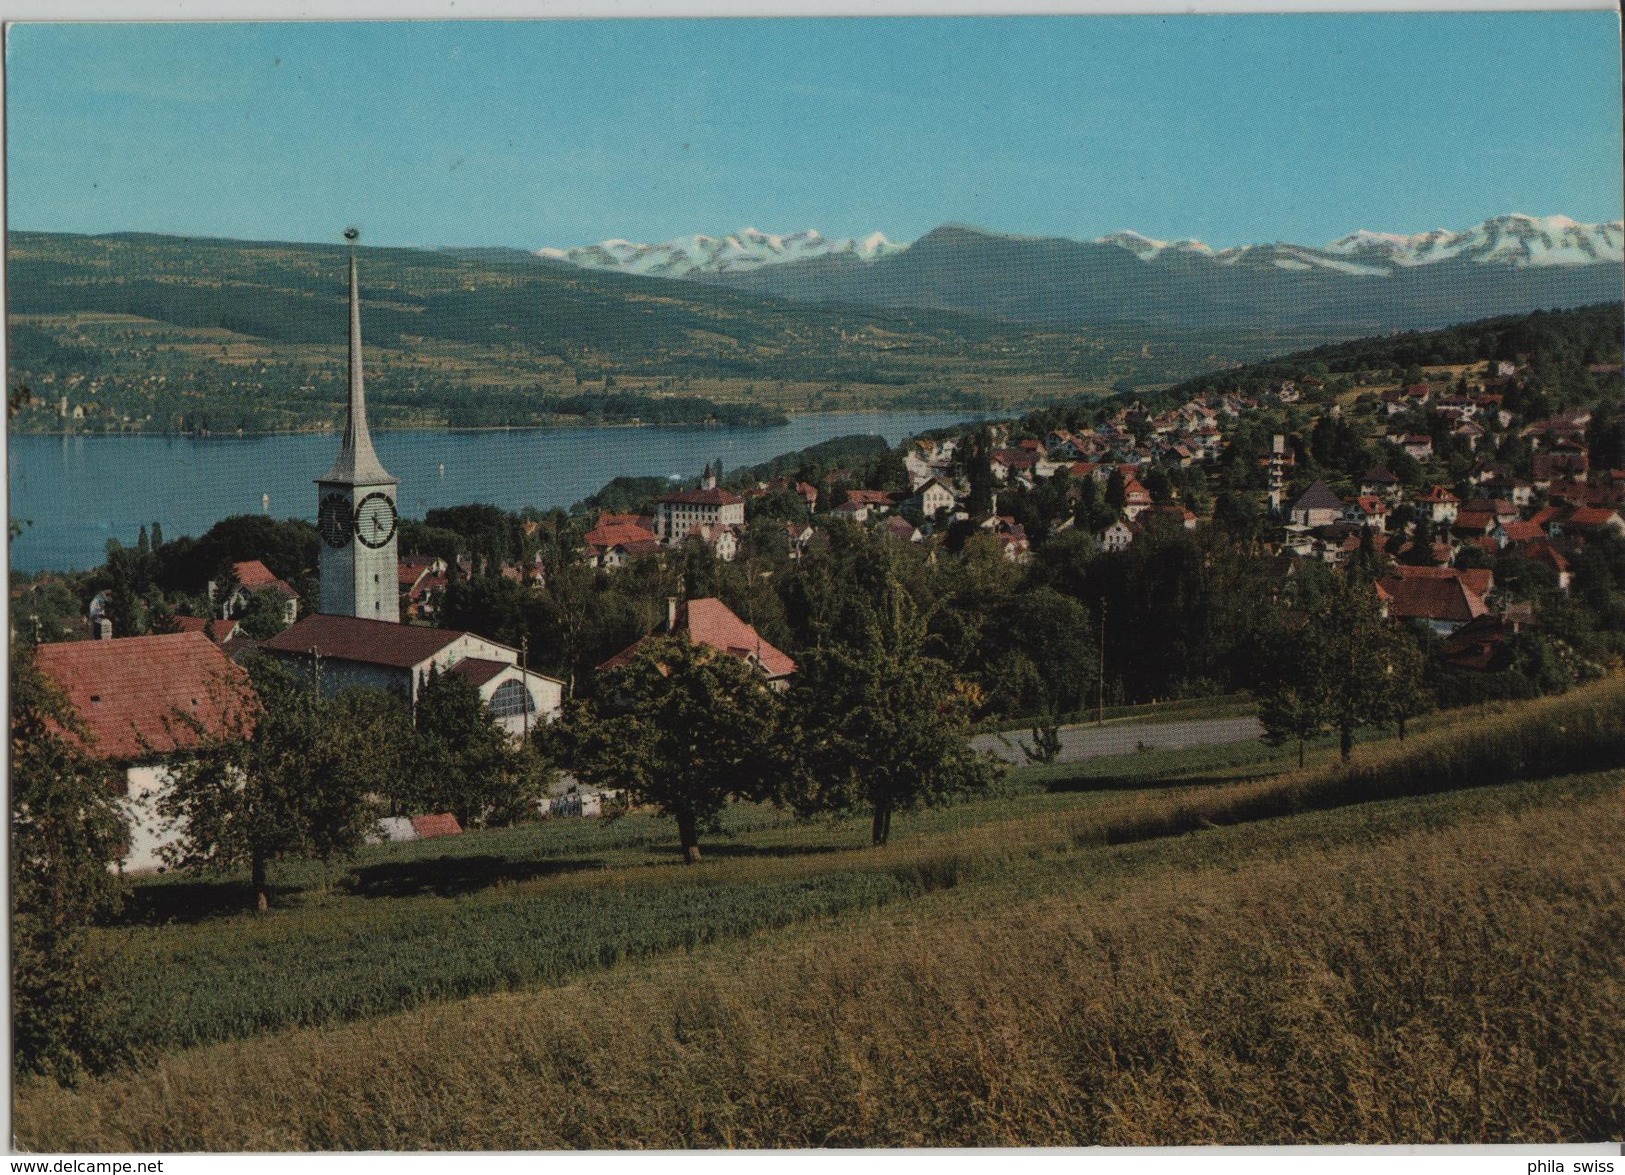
(289, 776)
(66, 830)
(683, 727)
(881, 724)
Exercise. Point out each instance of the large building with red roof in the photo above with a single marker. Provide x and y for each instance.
(340, 651)
(678, 514)
(144, 701)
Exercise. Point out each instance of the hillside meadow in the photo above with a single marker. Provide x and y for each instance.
(1123, 952)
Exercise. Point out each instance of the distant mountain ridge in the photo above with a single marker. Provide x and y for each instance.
(739, 252)
(1517, 240)
(1365, 282)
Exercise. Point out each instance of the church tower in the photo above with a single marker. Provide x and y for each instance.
(356, 513)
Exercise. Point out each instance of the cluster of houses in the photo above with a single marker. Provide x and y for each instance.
(1130, 443)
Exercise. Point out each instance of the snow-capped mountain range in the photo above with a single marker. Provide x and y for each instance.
(1517, 241)
(738, 252)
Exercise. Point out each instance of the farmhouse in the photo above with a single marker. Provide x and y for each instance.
(146, 701)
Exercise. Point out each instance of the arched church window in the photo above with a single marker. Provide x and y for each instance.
(511, 700)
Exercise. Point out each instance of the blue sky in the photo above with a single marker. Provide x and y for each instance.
(1233, 129)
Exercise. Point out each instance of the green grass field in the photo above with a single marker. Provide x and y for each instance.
(1169, 947)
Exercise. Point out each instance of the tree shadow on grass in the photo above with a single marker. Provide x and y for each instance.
(156, 903)
(450, 877)
(1141, 783)
(722, 849)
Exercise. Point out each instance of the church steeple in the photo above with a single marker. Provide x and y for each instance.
(357, 464)
(357, 515)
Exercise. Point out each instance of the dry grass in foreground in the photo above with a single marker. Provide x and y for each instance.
(1458, 985)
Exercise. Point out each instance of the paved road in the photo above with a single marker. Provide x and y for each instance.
(1088, 741)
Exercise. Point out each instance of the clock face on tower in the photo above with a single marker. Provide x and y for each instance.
(333, 520)
(375, 520)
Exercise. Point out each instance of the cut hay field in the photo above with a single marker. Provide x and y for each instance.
(1422, 948)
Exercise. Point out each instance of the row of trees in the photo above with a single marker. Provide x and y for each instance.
(873, 722)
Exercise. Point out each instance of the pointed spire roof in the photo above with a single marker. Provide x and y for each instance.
(357, 464)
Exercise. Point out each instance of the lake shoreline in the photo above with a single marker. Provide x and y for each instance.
(333, 430)
(78, 495)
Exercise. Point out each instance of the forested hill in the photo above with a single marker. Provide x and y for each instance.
(131, 332)
(1557, 340)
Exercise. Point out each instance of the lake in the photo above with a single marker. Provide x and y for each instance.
(80, 491)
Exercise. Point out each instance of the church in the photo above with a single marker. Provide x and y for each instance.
(357, 638)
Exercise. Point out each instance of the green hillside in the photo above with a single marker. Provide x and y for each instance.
(1558, 339)
(169, 334)
(1212, 951)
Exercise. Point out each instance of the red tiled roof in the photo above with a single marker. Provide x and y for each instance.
(869, 497)
(412, 568)
(716, 497)
(375, 642)
(132, 692)
(476, 671)
(218, 631)
(254, 574)
(642, 520)
(640, 546)
(711, 622)
(445, 824)
(1479, 520)
(615, 533)
(1522, 532)
(1430, 598)
(1592, 516)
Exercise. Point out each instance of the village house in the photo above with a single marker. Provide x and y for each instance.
(901, 529)
(145, 702)
(1316, 506)
(616, 539)
(1418, 446)
(723, 540)
(1368, 510)
(1119, 535)
(798, 538)
(1136, 498)
(1591, 520)
(422, 580)
(711, 622)
(253, 576)
(1441, 505)
(878, 501)
(225, 633)
(1379, 481)
(341, 651)
(1565, 461)
(933, 496)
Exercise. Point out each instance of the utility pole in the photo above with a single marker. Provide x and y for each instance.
(524, 681)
